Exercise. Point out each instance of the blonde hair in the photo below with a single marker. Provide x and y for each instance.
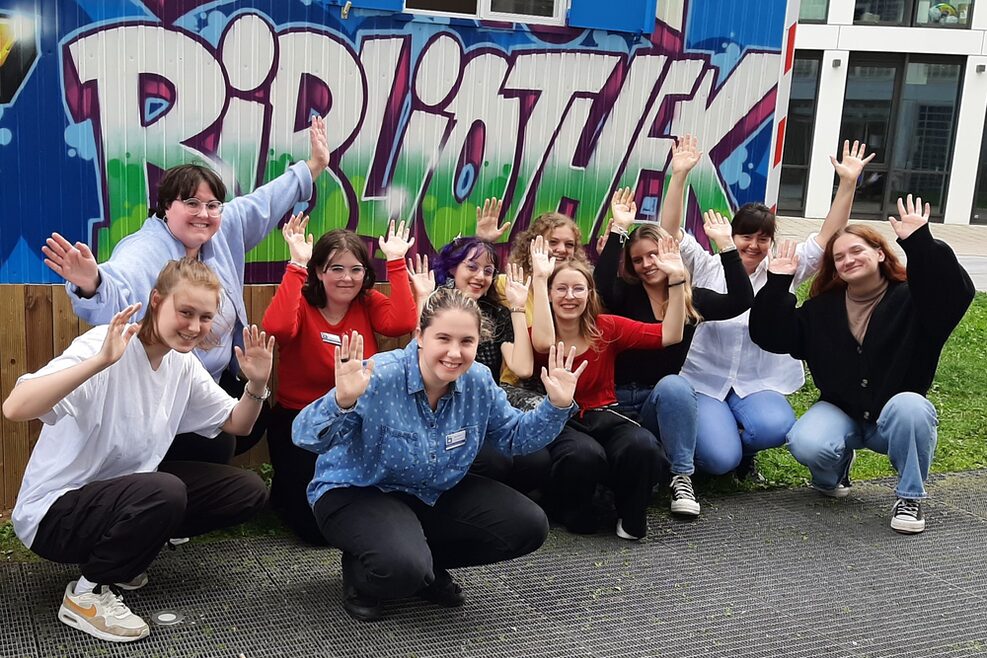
(627, 273)
(542, 225)
(448, 298)
(188, 271)
(587, 321)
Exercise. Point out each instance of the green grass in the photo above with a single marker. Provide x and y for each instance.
(959, 394)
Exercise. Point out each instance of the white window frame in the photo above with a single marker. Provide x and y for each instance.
(485, 13)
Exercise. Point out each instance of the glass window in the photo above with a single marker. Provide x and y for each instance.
(541, 11)
(943, 14)
(882, 12)
(870, 92)
(544, 8)
(445, 6)
(813, 11)
(798, 132)
(980, 196)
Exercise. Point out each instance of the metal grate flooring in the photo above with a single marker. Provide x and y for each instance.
(781, 573)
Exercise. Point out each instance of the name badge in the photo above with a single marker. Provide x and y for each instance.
(456, 440)
(332, 339)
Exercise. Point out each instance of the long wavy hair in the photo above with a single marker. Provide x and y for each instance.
(587, 321)
(828, 279)
(543, 225)
(627, 273)
(450, 256)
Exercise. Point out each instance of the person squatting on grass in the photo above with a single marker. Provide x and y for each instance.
(600, 445)
(632, 284)
(395, 439)
(327, 292)
(738, 383)
(95, 492)
(191, 220)
(871, 332)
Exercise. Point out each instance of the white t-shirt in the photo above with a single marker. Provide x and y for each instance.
(722, 355)
(119, 422)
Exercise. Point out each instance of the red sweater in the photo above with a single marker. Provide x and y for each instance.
(306, 362)
(595, 387)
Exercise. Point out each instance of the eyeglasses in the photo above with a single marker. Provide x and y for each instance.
(576, 291)
(489, 271)
(339, 271)
(213, 208)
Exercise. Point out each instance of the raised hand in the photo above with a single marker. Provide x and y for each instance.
(256, 357)
(559, 378)
(542, 265)
(669, 260)
(352, 377)
(422, 278)
(74, 263)
(318, 158)
(119, 335)
(785, 260)
(299, 244)
(624, 208)
(913, 217)
(718, 229)
(487, 217)
(516, 290)
(853, 162)
(685, 154)
(601, 239)
(396, 244)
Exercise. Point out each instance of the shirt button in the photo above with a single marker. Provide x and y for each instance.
(863, 383)
(860, 350)
(866, 415)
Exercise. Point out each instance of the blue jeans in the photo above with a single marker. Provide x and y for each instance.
(668, 410)
(824, 437)
(765, 417)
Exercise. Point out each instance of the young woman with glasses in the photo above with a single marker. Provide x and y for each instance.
(326, 293)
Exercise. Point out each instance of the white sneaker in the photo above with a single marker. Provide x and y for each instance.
(102, 614)
(139, 581)
(841, 490)
(907, 517)
(683, 497)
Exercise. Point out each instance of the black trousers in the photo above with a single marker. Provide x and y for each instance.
(113, 529)
(294, 468)
(221, 449)
(604, 447)
(392, 543)
(522, 472)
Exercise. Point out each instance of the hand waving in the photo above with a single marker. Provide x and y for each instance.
(119, 335)
(685, 154)
(487, 216)
(352, 377)
(717, 229)
(422, 278)
(853, 163)
(396, 244)
(256, 357)
(558, 378)
(516, 290)
(623, 207)
(913, 217)
(299, 244)
(318, 158)
(785, 260)
(542, 265)
(669, 260)
(74, 263)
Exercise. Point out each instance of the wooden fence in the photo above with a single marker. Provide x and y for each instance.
(36, 324)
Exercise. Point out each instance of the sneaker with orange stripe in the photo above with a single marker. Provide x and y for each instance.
(102, 614)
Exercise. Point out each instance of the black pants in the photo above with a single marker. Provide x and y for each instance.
(294, 468)
(604, 447)
(113, 529)
(393, 542)
(222, 448)
(522, 472)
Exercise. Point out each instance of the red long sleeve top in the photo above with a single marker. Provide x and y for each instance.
(595, 387)
(306, 358)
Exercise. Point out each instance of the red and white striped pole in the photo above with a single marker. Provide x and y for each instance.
(781, 105)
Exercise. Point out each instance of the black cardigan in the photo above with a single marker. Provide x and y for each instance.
(647, 367)
(904, 338)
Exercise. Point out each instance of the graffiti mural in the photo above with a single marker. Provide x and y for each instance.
(426, 116)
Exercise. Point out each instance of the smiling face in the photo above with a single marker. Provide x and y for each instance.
(184, 318)
(342, 278)
(447, 347)
(561, 242)
(753, 248)
(856, 261)
(193, 229)
(644, 260)
(569, 294)
(474, 274)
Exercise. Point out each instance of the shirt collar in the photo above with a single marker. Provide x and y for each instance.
(413, 374)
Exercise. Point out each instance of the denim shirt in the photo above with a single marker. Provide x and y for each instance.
(393, 440)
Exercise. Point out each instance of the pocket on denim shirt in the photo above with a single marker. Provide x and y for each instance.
(400, 454)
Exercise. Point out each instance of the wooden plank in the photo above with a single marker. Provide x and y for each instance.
(65, 326)
(13, 356)
(38, 332)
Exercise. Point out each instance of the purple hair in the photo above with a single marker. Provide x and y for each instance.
(454, 253)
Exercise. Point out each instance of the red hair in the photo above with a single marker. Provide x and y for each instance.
(828, 279)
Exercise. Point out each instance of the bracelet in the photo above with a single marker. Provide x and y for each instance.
(297, 264)
(260, 398)
(678, 283)
(727, 250)
(621, 231)
(517, 309)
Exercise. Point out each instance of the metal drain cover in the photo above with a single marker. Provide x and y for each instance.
(167, 618)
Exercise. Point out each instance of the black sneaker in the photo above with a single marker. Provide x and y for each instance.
(444, 591)
(683, 496)
(906, 517)
(360, 606)
(747, 470)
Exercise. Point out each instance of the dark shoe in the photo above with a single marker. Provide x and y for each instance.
(633, 526)
(360, 606)
(907, 517)
(747, 470)
(443, 591)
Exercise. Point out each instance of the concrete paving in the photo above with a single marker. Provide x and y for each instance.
(775, 573)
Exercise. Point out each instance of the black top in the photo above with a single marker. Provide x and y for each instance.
(498, 319)
(647, 367)
(904, 339)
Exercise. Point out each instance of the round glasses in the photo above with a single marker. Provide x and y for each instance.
(195, 206)
(340, 271)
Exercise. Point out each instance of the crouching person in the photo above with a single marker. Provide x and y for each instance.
(93, 493)
(871, 333)
(396, 437)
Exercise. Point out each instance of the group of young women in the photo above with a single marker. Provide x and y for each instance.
(418, 460)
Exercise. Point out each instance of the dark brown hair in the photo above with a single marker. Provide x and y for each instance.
(753, 218)
(189, 271)
(326, 248)
(828, 279)
(182, 182)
